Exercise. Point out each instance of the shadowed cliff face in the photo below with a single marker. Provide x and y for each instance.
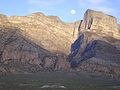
(75, 47)
(96, 56)
(96, 48)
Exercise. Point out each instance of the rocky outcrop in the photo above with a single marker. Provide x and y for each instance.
(98, 55)
(18, 54)
(100, 23)
(90, 45)
(96, 49)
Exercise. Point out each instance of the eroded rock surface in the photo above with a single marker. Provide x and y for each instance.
(97, 48)
(100, 23)
(18, 54)
(34, 43)
(54, 34)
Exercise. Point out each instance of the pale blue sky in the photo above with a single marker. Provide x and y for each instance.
(60, 8)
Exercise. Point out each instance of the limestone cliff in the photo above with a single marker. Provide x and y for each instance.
(34, 43)
(50, 31)
(100, 23)
(97, 48)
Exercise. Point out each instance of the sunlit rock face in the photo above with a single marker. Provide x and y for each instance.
(54, 34)
(100, 23)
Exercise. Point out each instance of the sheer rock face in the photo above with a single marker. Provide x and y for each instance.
(95, 54)
(100, 23)
(50, 31)
(97, 48)
(34, 43)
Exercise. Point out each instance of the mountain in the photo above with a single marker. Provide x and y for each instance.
(36, 43)
(97, 49)
(49, 31)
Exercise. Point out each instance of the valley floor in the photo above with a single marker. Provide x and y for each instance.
(67, 81)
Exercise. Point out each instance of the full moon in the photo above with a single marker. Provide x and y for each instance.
(73, 12)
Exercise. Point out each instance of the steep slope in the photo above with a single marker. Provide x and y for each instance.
(20, 55)
(50, 31)
(34, 43)
(100, 23)
(97, 48)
